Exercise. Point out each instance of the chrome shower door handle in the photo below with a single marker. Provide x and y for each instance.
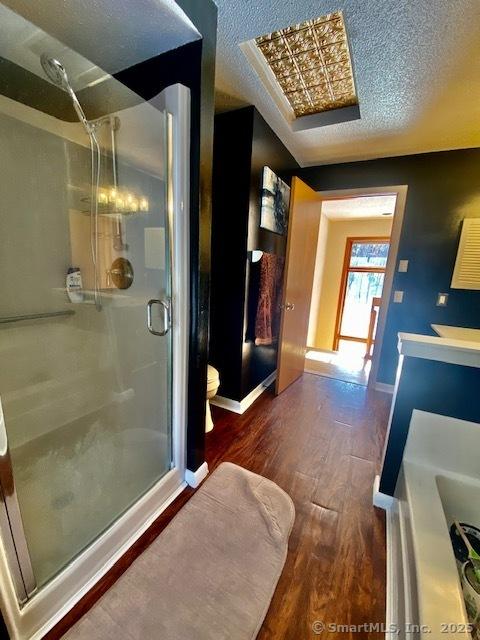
(167, 318)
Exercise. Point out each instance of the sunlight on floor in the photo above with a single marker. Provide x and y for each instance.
(349, 357)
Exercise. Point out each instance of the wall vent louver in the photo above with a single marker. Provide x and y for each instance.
(466, 274)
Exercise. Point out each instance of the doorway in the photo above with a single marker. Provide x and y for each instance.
(356, 256)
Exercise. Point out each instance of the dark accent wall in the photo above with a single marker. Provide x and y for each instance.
(443, 188)
(437, 387)
(243, 145)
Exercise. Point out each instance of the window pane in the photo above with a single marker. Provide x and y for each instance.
(369, 254)
(361, 288)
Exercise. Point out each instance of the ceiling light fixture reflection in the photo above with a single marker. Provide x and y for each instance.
(115, 201)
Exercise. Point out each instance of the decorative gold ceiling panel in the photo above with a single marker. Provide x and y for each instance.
(311, 62)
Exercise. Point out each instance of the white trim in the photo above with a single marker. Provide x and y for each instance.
(267, 77)
(194, 478)
(391, 604)
(243, 405)
(226, 403)
(381, 500)
(382, 386)
(270, 82)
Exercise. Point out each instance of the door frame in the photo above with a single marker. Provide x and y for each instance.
(401, 192)
(343, 283)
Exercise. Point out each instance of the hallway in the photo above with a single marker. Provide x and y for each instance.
(321, 441)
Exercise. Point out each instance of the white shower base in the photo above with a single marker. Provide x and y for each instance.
(89, 462)
(56, 598)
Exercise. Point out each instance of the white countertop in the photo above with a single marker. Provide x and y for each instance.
(452, 350)
(457, 333)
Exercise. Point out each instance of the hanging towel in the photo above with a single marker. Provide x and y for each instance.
(267, 323)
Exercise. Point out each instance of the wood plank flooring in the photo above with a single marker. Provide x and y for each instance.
(321, 441)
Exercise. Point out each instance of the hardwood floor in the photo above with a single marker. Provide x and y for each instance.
(321, 441)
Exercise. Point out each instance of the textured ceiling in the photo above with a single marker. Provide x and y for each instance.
(359, 207)
(417, 71)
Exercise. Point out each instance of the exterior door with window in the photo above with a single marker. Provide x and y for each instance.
(362, 282)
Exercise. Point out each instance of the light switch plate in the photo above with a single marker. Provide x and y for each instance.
(398, 296)
(442, 299)
(403, 266)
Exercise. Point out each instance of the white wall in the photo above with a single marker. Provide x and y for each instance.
(328, 272)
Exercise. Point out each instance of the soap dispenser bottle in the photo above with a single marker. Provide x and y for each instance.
(74, 285)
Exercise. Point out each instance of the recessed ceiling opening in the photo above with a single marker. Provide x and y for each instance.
(311, 65)
(311, 62)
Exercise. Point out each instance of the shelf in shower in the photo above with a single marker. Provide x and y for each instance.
(36, 316)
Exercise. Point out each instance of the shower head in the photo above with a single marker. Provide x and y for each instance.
(55, 71)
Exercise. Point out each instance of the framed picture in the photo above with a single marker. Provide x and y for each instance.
(275, 202)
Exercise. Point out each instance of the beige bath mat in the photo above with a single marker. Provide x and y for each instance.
(211, 573)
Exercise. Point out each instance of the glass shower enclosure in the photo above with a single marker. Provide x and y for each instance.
(87, 332)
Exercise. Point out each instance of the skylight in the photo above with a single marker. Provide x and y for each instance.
(311, 63)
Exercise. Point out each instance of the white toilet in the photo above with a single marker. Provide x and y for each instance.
(213, 382)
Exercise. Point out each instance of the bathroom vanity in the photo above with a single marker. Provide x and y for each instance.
(432, 477)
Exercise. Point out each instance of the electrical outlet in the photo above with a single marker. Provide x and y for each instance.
(403, 266)
(398, 296)
(442, 299)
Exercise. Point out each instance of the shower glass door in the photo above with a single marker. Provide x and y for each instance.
(86, 372)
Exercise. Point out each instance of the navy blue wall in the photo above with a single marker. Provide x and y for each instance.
(437, 387)
(443, 188)
(243, 145)
(230, 188)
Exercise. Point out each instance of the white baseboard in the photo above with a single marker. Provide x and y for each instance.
(194, 478)
(242, 405)
(226, 403)
(381, 500)
(386, 388)
(391, 608)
